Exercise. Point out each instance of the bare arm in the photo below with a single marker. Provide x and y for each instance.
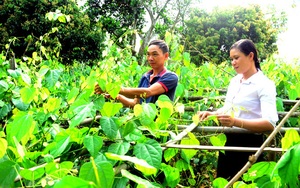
(255, 125)
(155, 89)
(128, 102)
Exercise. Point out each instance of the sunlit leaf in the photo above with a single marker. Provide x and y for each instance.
(186, 59)
(110, 109)
(187, 154)
(3, 147)
(72, 95)
(139, 164)
(219, 183)
(21, 127)
(27, 94)
(218, 140)
(291, 137)
(52, 104)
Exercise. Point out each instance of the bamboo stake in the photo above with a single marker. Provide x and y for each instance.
(179, 137)
(253, 158)
(225, 148)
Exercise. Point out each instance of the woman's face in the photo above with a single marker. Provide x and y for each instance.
(240, 62)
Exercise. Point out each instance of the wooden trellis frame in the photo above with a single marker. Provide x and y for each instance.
(214, 129)
(252, 159)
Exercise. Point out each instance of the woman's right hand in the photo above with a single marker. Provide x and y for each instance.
(204, 114)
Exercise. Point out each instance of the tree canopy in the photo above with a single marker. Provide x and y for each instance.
(209, 35)
(77, 38)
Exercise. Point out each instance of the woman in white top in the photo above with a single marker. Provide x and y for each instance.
(250, 104)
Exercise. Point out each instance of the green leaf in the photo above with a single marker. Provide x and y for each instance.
(20, 104)
(292, 92)
(186, 59)
(150, 151)
(135, 135)
(72, 95)
(288, 167)
(4, 110)
(127, 128)
(58, 147)
(52, 104)
(3, 147)
(21, 127)
(27, 94)
(187, 154)
(73, 182)
(26, 79)
(218, 140)
(119, 148)
(82, 112)
(59, 170)
(62, 19)
(291, 137)
(109, 126)
(172, 175)
(3, 86)
(110, 109)
(139, 164)
(93, 143)
(258, 170)
(145, 110)
(102, 173)
(219, 183)
(140, 181)
(170, 153)
(179, 90)
(32, 174)
(266, 182)
(51, 78)
(113, 89)
(8, 172)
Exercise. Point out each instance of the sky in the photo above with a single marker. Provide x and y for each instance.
(288, 42)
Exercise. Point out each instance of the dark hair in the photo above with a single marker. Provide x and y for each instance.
(246, 46)
(161, 44)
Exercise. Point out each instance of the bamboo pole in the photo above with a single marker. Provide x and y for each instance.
(221, 129)
(225, 148)
(253, 158)
(179, 137)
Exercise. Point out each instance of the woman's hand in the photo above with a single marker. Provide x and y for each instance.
(204, 114)
(226, 120)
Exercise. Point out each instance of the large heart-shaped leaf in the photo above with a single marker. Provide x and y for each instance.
(150, 151)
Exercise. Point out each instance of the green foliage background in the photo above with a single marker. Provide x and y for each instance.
(55, 132)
